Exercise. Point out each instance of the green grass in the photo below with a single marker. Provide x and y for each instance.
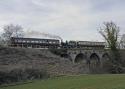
(76, 82)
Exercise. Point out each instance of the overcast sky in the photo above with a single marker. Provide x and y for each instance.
(70, 19)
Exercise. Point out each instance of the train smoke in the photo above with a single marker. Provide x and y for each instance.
(36, 33)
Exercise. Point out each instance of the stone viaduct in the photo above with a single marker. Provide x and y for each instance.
(88, 56)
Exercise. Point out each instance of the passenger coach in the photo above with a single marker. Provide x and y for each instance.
(34, 43)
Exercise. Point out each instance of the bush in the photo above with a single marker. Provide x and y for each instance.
(18, 75)
(110, 67)
(58, 51)
(36, 74)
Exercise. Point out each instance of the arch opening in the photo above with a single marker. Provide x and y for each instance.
(105, 57)
(80, 58)
(94, 60)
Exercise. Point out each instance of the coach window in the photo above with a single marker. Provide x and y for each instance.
(50, 42)
(53, 42)
(16, 40)
(32, 41)
(19, 41)
(43, 41)
(36, 41)
(23, 41)
(47, 41)
(28, 41)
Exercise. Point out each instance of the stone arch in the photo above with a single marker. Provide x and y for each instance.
(80, 58)
(66, 56)
(105, 57)
(94, 60)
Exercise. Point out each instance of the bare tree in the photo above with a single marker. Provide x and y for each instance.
(122, 42)
(110, 32)
(11, 31)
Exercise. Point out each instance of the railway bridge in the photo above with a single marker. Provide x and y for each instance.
(87, 56)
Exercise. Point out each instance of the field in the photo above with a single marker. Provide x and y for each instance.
(76, 82)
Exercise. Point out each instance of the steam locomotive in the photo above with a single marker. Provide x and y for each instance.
(53, 43)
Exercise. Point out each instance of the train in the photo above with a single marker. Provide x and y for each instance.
(83, 44)
(53, 43)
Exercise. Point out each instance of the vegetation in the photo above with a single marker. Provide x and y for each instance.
(17, 75)
(58, 51)
(76, 82)
(122, 41)
(11, 31)
(110, 32)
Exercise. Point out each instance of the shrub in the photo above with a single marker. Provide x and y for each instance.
(58, 51)
(110, 67)
(17, 75)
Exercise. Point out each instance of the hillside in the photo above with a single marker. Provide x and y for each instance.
(20, 64)
(43, 59)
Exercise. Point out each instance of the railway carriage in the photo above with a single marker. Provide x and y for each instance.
(90, 44)
(34, 43)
